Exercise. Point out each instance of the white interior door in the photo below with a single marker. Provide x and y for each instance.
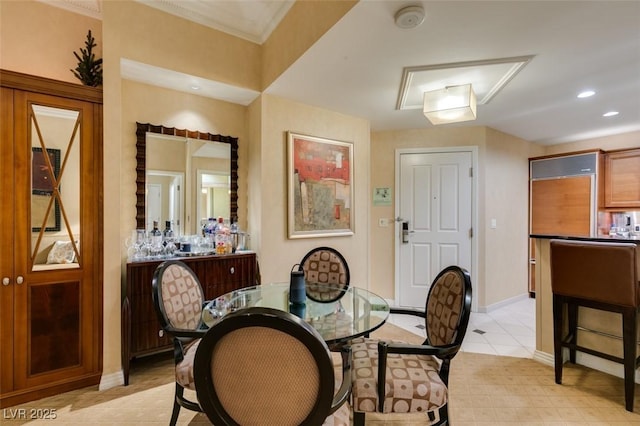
(435, 206)
(154, 204)
(176, 201)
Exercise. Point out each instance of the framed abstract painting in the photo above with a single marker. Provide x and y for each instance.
(320, 187)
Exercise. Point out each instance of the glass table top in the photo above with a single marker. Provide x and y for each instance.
(357, 312)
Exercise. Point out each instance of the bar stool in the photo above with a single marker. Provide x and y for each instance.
(598, 275)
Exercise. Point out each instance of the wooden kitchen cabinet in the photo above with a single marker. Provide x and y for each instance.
(622, 178)
(141, 330)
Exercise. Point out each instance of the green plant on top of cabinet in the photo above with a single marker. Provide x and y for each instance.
(622, 178)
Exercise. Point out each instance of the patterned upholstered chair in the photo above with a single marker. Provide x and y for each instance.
(326, 274)
(178, 299)
(395, 377)
(262, 366)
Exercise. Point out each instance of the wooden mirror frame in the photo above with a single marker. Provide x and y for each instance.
(141, 167)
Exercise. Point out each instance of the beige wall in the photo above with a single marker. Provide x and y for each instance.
(136, 32)
(37, 39)
(506, 199)
(147, 35)
(149, 104)
(277, 254)
(609, 143)
(502, 194)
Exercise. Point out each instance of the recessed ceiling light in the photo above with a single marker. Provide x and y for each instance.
(610, 113)
(586, 94)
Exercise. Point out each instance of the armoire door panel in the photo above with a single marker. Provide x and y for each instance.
(50, 241)
(7, 274)
(54, 327)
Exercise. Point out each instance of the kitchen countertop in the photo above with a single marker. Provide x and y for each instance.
(601, 238)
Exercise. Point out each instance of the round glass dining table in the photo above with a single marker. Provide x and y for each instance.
(356, 312)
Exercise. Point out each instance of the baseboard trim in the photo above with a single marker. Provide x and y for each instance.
(590, 361)
(604, 365)
(543, 358)
(490, 308)
(108, 381)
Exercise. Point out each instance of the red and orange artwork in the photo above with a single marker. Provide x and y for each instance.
(322, 193)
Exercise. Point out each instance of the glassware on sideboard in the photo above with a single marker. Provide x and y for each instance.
(143, 246)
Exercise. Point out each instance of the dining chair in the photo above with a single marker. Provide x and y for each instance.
(396, 377)
(326, 274)
(263, 366)
(178, 299)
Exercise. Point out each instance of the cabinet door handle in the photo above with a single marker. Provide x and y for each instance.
(20, 279)
(161, 333)
(5, 281)
(232, 270)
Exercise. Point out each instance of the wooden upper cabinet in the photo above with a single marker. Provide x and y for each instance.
(622, 178)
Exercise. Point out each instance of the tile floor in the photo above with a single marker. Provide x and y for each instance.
(508, 331)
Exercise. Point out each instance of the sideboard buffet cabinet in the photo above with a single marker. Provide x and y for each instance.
(141, 330)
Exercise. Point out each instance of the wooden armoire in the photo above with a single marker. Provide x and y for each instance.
(51, 237)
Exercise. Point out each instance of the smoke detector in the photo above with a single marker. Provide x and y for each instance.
(409, 17)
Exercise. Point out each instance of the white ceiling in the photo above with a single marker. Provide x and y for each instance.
(357, 67)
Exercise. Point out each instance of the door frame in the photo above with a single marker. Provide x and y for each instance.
(474, 213)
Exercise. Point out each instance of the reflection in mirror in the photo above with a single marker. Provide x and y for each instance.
(172, 167)
(213, 200)
(213, 176)
(55, 187)
(165, 200)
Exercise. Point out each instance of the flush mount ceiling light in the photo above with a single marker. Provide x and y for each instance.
(409, 17)
(488, 77)
(453, 104)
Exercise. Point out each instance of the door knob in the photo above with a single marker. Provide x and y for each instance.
(5, 281)
(20, 279)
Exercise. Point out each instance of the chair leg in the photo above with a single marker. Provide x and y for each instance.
(629, 330)
(358, 418)
(443, 413)
(573, 330)
(557, 337)
(176, 406)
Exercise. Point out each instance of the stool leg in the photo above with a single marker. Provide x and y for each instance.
(557, 337)
(573, 330)
(629, 329)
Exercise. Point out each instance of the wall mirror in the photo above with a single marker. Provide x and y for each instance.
(185, 177)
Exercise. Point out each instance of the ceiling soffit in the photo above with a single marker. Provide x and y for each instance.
(487, 78)
(91, 8)
(251, 20)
